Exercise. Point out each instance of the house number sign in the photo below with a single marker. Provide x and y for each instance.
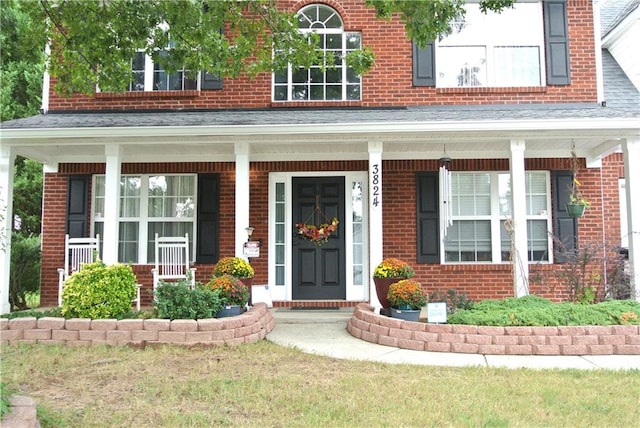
(376, 185)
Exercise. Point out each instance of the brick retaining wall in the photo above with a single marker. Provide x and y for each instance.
(470, 339)
(250, 327)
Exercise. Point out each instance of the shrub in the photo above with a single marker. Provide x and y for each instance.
(407, 292)
(454, 300)
(25, 269)
(232, 291)
(590, 273)
(52, 312)
(99, 291)
(536, 311)
(179, 301)
(393, 268)
(234, 266)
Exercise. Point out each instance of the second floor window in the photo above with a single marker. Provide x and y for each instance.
(148, 76)
(496, 50)
(322, 82)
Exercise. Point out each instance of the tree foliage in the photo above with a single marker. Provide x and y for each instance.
(21, 62)
(93, 41)
(27, 195)
(25, 269)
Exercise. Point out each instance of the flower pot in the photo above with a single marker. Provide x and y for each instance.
(230, 311)
(575, 210)
(249, 283)
(406, 314)
(382, 289)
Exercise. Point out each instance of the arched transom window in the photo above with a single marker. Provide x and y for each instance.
(322, 82)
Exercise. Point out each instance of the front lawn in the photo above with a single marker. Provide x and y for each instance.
(265, 385)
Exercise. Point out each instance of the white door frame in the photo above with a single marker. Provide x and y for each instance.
(283, 292)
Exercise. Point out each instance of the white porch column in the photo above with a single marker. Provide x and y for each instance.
(375, 215)
(242, 196)
(631, 150)
(520, 264)
(7, 158)
(113, 155)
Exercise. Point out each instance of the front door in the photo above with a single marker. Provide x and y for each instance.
(318, 271)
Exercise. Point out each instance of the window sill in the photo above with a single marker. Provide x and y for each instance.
(147, 94)
(493, 90)
(485, 266)
(289, 104)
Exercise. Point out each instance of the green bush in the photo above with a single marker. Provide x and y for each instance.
(179, 301)
(536, 311)
(99, 291)
(52, 312)
(454, 300)
(25, 269)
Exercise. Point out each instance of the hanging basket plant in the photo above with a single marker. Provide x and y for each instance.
(318, 234)
(577, 202)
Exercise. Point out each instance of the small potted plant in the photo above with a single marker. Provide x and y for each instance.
(390, 270)
(233, 294)
(234, 266)
(406, 298)
(577, 202)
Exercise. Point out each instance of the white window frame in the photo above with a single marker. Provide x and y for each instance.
(492, 40)
(495, 217)
(143, 218)
(149, 74)
(344, 69)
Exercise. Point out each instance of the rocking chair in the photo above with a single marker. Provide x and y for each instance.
(77, 252)
(172, 260)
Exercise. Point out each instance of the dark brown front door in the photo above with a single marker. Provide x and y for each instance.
(318, 271)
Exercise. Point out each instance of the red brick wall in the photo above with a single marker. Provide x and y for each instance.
(399, 220)
(388, 84)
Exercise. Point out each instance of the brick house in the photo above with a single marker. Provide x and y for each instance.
(211, 157)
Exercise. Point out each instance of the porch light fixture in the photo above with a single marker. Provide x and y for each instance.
(249, 231)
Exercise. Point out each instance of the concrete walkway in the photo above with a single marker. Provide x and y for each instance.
(323, 332)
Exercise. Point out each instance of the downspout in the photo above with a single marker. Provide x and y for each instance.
(597, 42)
(46, 81)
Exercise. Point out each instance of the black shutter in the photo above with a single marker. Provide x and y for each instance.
(565, 227)
(556, 37)
(210, 81)
(428, 221)
(208, 218)
(424, 65)
(77, 205)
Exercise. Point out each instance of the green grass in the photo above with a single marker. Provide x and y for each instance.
(267, 385)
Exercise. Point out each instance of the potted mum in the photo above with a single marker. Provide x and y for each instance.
(234, 266)
(390, 270)
(233, 294)
(406, 298)
(238, 267)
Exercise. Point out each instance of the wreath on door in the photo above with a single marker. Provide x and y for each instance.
(318, 234)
